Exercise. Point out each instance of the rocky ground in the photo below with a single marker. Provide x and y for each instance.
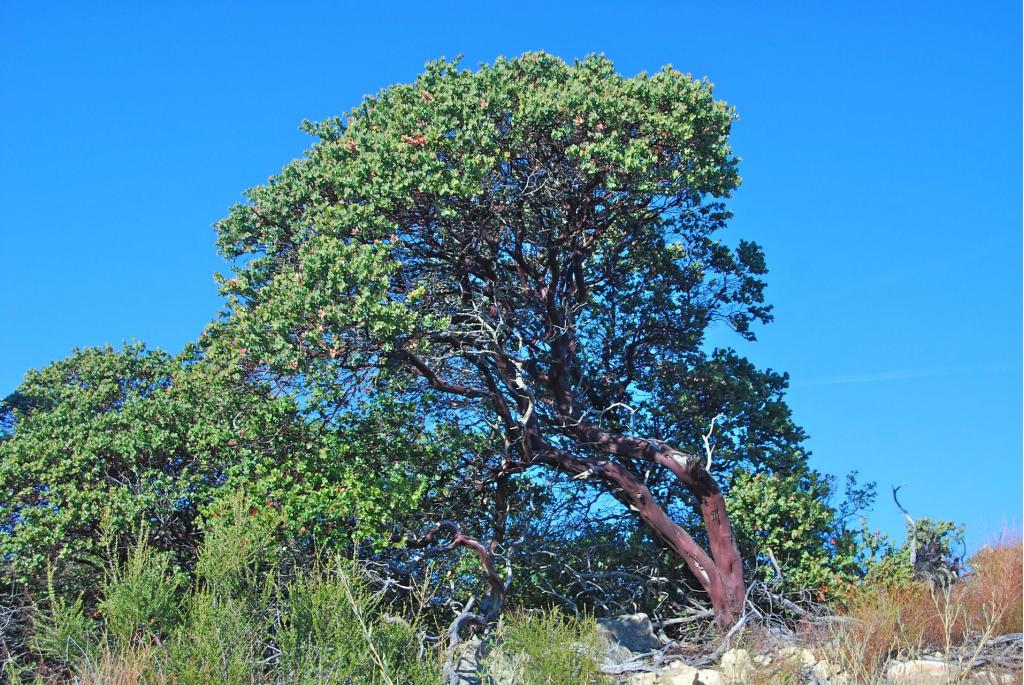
(636, 656)
(633, 654)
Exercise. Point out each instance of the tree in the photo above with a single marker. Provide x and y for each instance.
(108, 438)
(528, 251)
(792, 532)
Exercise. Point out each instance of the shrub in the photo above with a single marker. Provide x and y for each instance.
(119, 436)
(64, 633)
(546, 648)
(140, 595)
(221, 640)
(242, 547)
(791, 521)
(323, 634)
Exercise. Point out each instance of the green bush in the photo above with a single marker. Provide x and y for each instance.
(546, 648)
(220, 641)
(63, 633)
(334, 626)
(140, 596)
(243, 544)
(793, 519)
(116, 436)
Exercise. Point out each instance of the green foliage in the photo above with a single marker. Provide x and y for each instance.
(334, 626)
(793, 518)
(546, 648)
(221, 640)
(63, 633)
(141, 593)
(348, 260)
(252, 613)
(242, 544)
(118, 436)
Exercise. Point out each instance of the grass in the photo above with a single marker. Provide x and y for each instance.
(546, 648)
(248, 614)
(908, 621)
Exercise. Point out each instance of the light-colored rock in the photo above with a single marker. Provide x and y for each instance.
(466, 663)
(993, 678)
(679, 673)
(709, 676)
(822, 670)
(737, 666)
(632, 631)
(825, 672)
(643, 679)
(800, 655)
(920, 673)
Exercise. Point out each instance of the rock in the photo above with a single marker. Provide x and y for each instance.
(679, 673)
(643, 679)
(920, 673)
(632, 631)
(737, 666)
(825, 672)
(993, 678)
(708, 676)
(466, 663)
(799, 655)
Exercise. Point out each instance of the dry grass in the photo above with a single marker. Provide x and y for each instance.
(135, 666)
(886, 623)
(998, 580)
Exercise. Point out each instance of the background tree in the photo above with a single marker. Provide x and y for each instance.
(106, 439)
(793, 532)
(528, 251)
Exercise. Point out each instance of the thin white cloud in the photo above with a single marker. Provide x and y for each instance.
(893, 375)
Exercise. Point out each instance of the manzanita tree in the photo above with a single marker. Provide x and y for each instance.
(109, 438)
(530, 251)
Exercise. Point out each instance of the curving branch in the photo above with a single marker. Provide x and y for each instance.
(911, 523)
(498, 587)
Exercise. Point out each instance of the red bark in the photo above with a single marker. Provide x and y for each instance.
(724, 569)
(720, 574)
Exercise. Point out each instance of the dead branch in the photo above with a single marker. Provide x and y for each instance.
(911, 523)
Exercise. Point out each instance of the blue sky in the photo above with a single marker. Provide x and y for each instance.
(881, 147)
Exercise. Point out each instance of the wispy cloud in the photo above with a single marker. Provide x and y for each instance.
(892, 375)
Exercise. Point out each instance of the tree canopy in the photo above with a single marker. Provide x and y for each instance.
(95, 444)
(530, 250)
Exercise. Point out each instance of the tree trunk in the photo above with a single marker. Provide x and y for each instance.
(721, 575)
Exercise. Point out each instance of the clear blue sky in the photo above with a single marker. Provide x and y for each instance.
(882, 173)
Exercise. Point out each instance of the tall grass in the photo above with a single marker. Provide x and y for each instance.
(908, 620)
(248, 616)
(546, 648)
